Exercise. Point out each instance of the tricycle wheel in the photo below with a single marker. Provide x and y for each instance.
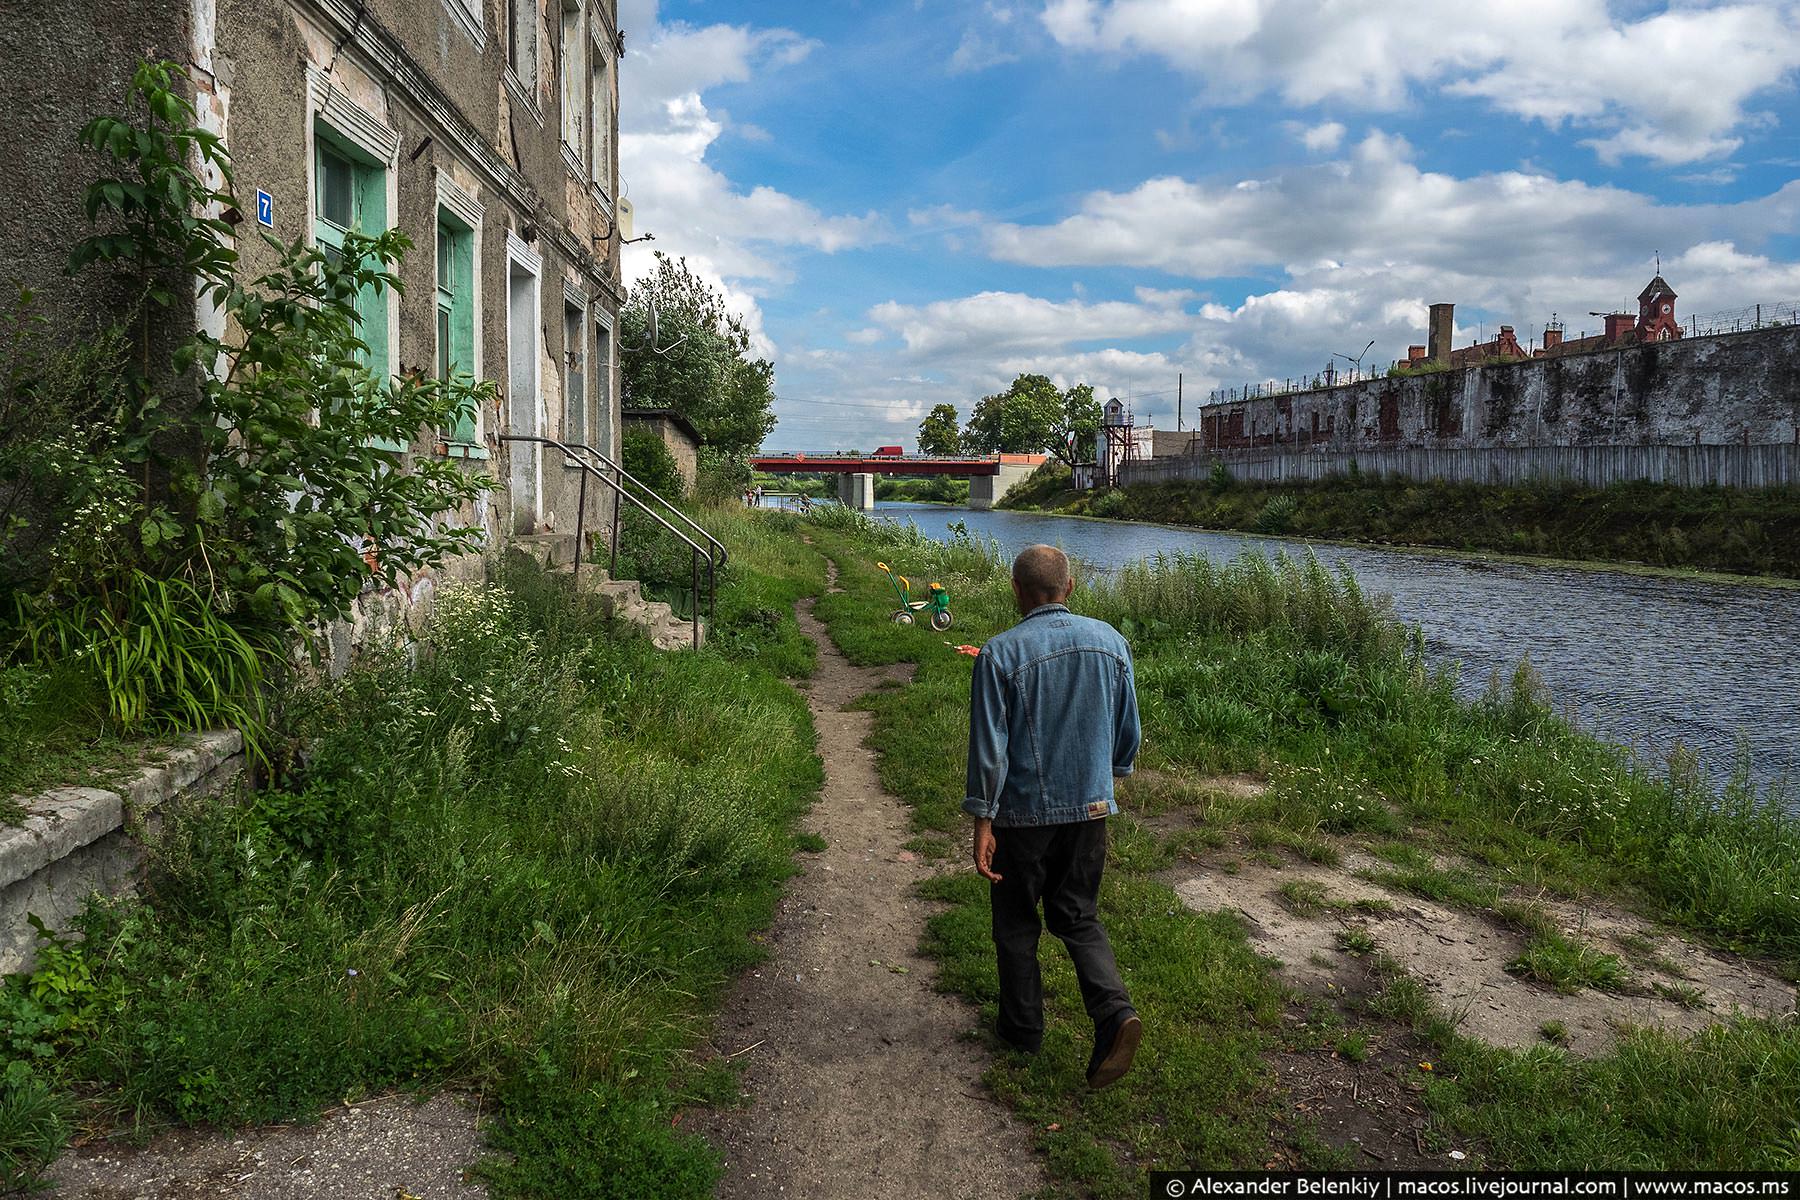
(902, 617)
(942, 620)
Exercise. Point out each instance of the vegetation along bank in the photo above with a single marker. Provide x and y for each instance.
(1753, 532)
(1294, 732)
(527, 866)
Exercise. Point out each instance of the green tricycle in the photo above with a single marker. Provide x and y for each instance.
(937, 601)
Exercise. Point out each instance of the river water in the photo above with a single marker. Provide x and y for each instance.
(1644, 661)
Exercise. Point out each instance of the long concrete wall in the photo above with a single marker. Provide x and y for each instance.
(1737, 388)
(1735, 466)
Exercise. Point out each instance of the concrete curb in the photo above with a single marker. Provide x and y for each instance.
(75, 841)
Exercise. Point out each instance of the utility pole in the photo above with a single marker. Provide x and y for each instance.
(1178, 402)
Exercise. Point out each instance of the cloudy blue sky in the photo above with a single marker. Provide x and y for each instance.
(913, 201)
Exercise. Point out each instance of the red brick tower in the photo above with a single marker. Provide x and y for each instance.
(1656, 313)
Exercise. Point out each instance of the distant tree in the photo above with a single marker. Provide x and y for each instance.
(1031, 416)
(701, 365)
(1078, 425)
(1020, 420)
(938, 432)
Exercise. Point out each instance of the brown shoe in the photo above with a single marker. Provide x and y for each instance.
(1115, 1045)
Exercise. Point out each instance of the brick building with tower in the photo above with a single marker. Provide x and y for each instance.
(1654, 322)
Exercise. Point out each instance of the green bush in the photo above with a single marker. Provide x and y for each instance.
(647, 457)
(1277, 516)
(1112, 503)
(182, 524)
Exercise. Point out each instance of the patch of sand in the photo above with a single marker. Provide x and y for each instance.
(1461, 957)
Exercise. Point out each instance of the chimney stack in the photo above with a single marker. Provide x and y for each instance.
(1440, 331)
(1552, 336)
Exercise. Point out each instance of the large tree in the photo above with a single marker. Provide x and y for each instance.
(1078, 424)
(1032, 415)
(938, 431)
(1020, 420)
(701, 364)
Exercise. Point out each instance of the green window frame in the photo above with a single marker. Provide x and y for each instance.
(456, 319)
(350, 196)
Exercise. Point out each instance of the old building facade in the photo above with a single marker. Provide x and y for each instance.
(486, 130)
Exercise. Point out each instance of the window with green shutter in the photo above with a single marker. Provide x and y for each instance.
(351, 197)
(456, 316)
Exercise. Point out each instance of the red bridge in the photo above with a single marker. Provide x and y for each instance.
(840, 462)
(989, 475)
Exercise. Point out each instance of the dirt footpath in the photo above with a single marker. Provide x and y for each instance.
(861, 1081)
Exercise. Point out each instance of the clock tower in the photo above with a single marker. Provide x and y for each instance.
(1656, 313)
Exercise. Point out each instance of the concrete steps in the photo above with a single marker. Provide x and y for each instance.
(624, 600)
(551, 551)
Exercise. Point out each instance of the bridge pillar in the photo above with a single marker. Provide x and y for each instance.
(985, 491)
(857, 490)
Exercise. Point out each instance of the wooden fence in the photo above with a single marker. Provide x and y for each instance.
(1732, 466)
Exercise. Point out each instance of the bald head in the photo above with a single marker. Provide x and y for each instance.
(1040, 575)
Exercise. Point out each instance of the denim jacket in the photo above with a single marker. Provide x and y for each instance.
(1053, 718)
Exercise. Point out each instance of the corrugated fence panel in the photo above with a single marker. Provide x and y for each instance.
(1732, 466)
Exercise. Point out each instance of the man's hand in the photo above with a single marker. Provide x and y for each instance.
(983, 848)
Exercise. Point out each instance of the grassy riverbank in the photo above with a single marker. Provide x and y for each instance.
(527, 865)
(523, 867)
(1710, 529)
(1289, 673)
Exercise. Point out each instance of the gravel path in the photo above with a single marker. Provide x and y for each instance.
(385, 1149)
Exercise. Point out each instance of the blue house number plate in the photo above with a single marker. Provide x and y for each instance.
(265, 208)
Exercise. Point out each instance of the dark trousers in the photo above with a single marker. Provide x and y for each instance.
(1060, 866)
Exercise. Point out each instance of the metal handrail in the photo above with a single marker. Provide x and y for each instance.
(618, 488)
(692, 524)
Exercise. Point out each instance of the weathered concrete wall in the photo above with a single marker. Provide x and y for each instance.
(1741, 388)
(78, 841)
(1735, 466)
(985, 491)
(68, 61)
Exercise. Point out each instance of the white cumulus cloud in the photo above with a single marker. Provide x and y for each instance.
(1672, 86)
(733, 235)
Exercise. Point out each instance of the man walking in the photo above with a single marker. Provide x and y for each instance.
(1052, 720)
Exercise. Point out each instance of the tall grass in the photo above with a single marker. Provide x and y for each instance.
(164, 658)
(1279, 664)
(1297, 600)
(1283, 666)
(524, 862)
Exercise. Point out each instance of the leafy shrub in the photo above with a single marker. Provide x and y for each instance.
(722, 476)
(1112, 503)
(647, 457)
(66, 489)
(188, 512)
(1277, 516)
